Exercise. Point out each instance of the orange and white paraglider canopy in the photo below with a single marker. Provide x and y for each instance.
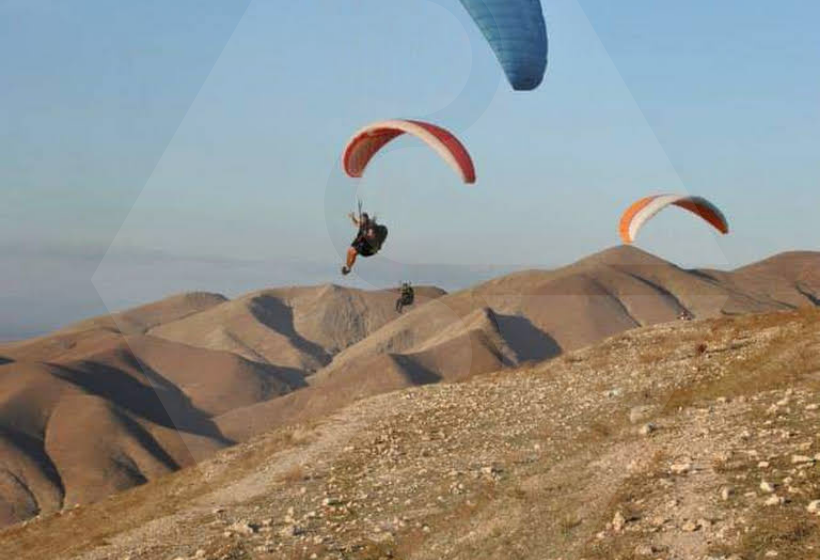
(645, 209)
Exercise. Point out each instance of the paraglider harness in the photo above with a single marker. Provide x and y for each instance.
(364, 246)
(407, 296)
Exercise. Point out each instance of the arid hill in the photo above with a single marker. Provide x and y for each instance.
(113, 402)
(301, 328)
(686, 440)
(106, 404)
(532, 316)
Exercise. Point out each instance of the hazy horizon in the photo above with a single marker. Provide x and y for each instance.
(31, 309)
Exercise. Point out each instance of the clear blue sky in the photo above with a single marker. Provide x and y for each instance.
(205, 128)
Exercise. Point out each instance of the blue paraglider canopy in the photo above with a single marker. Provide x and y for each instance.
(517, 34)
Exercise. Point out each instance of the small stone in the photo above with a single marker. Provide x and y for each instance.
(774, 501)
(725, 493)
(291, 531)
(767, 487)
(242, 528)
(618, 522)
(797, 459)
(681, 468)
(690, 526)
(813, 507)
(647, 429)
(763, 465)
(490, 471)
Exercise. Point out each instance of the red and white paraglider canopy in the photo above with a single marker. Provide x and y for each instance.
(367, 142)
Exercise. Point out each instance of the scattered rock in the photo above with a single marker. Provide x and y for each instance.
(681, 468)
(618, 522)
(690, 526)
(291, 531)
(243, 528)
(645, 550)
(647, 429)
(774, 501)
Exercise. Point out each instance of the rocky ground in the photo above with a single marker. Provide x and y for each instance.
(693, 440)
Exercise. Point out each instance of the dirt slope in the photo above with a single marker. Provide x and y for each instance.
(690, 440)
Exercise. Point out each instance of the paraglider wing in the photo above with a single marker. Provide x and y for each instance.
(642, 211)
(367, 142)
(517, 34)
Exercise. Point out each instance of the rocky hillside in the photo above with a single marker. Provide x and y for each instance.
(688, 440)
(114, 402)
(107, 404)
(530, 317)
